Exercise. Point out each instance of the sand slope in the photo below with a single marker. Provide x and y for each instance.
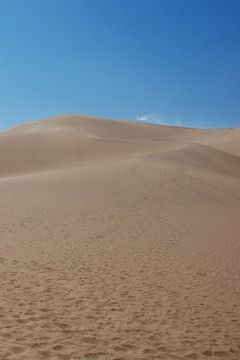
(119, 240)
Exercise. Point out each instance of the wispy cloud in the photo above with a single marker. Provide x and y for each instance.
(160, 119)
(151, 118)
(178, 122)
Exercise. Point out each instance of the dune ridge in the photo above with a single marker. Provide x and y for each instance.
(71, 139)
(119, 240)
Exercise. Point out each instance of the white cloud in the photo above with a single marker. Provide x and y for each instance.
(141, 118)
(178, 122)
(160, 119)
(151, 118)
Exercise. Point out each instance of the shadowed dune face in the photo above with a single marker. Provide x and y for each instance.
(207, 158)
(119, 240)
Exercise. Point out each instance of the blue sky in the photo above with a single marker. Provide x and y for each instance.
(171, 62)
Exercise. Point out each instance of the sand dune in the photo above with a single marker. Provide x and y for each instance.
(206, 157)
(119, 240)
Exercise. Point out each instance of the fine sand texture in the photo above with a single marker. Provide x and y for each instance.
(119, 241)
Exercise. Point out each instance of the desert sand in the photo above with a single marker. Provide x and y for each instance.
(119, 240)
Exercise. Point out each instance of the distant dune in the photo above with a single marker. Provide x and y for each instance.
(69, 140)
(119, 240)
